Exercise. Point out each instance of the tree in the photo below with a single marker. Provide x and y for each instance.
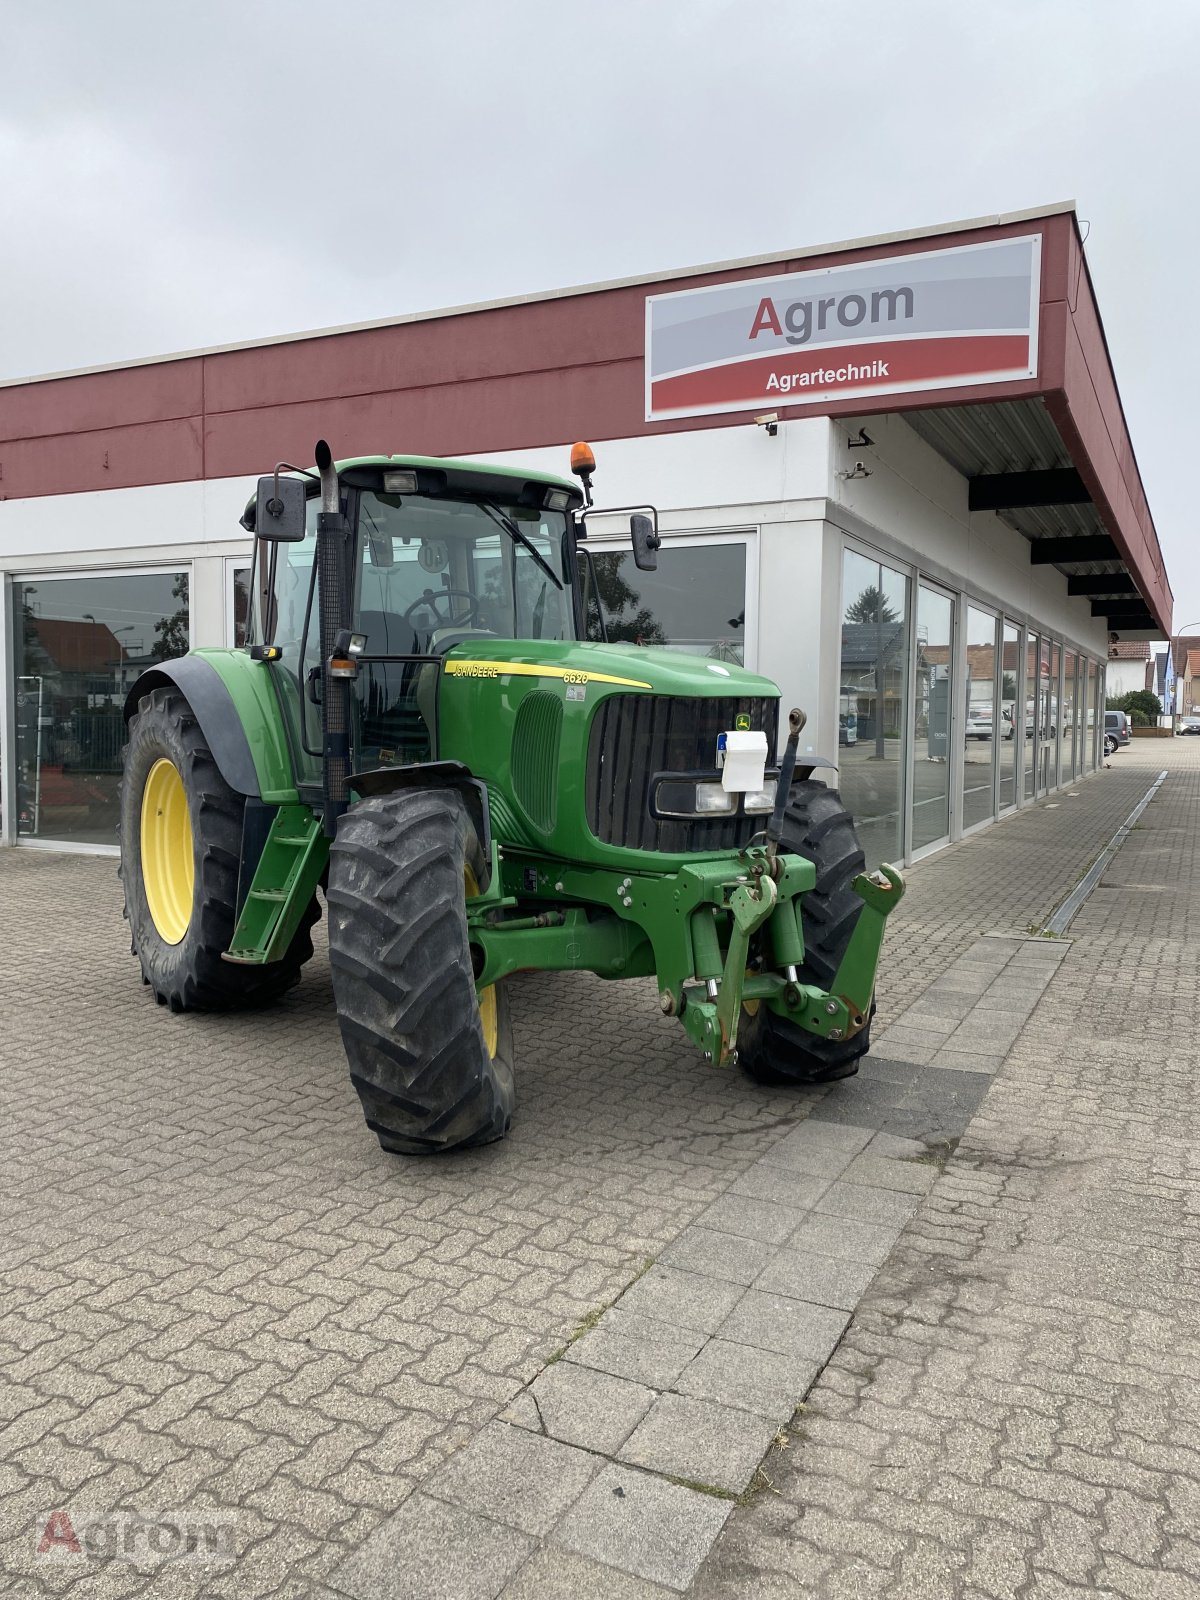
(629, 622)
(872, 605)
(1143, 706)
(171, 633)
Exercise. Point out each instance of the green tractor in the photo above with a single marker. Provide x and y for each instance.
(417, 728)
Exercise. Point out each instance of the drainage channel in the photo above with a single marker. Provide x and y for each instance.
(1062, 916)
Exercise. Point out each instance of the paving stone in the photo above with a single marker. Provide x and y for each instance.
(430, 1548)
(811, 1160)
(780, 1185)
(763, 1381)
(825, 1280)
(591, 1409)
(787, 1326)
(642, 1348)
(515, 1477)
(642, 1524)
(556, 1574)
(746, 1218)
(846, 1240)
(522, 1412)
(967, 1061)
(719, 1255)
(899, 1050)
(904, 1036)
(909, 1177)
(680, 1299)
(892, 1148)
(863, 1204)
(701, 1441)
(944, 1004)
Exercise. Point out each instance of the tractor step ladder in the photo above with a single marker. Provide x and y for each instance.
(285, 880)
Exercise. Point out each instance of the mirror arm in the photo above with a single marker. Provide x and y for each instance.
(609, 511)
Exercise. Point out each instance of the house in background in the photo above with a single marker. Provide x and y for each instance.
(1129, 667)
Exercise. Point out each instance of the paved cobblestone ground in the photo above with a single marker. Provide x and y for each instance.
(218, 1293)
(1015, 1408)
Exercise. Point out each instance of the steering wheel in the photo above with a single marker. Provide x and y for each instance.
(431, 600)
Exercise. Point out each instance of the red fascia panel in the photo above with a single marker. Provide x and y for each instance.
(156, 392)
(1087, 410)
(496, 414)
(540, 336)
(110, 458)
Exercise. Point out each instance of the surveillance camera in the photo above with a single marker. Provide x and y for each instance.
(770, 421)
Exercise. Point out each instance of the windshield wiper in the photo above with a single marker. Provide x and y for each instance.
(513, 530)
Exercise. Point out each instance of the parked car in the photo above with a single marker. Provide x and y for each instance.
(979, 723)
(1189, 725)
(1116, 723)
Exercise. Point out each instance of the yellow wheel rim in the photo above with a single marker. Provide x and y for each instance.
(489, 1011)
(168, 862)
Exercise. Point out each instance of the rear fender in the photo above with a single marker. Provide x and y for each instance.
(235, 704)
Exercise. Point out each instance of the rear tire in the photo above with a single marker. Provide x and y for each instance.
(180, 952)
(770, 1049)
(431, 1059)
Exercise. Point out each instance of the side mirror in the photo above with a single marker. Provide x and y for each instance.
(645, 543)
(279, 509)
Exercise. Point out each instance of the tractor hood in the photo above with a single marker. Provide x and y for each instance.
(625, 666)
(573, 740)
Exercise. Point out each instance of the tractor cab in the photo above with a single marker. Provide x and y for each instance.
(437, 553)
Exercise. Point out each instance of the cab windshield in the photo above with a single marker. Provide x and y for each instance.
(433, 573)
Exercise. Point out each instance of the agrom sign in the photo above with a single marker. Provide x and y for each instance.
(936, 320)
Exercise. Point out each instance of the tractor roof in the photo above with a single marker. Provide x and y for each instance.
(470, 476)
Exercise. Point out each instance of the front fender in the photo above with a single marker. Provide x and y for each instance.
(238, 711)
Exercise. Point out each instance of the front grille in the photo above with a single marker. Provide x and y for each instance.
(636, 737)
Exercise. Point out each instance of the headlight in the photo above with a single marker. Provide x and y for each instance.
(684, 797)
(712, 797)
(763, 799)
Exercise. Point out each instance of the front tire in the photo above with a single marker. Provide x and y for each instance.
(771, 1049)
(181, 846)
(430, 1057)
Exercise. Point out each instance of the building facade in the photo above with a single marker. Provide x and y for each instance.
(892, 475)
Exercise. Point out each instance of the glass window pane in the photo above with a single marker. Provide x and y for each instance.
(1032, 644)
(931, 770)
(1097, 706)
(694, 603)
(873, 709)
(1049, 720)
(1069, 714)
(240, 579)
(984, 724)
(1010, 717)
(80, 645)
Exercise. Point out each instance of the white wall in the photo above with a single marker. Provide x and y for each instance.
(158, 524)
(920, 500)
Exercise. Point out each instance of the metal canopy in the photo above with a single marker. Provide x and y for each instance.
(1016, 463)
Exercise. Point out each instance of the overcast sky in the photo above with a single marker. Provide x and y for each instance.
(175, 176)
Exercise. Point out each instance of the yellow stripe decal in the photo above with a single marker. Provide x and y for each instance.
(528, 669)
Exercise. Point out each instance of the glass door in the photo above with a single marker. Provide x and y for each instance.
(1012, 741)
(1027, 713)
(873, 703)
(932, 702)
(984, 725)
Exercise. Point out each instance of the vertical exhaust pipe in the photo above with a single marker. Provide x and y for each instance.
(333, 587)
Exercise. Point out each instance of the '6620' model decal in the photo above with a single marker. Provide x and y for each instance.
(534, 669)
